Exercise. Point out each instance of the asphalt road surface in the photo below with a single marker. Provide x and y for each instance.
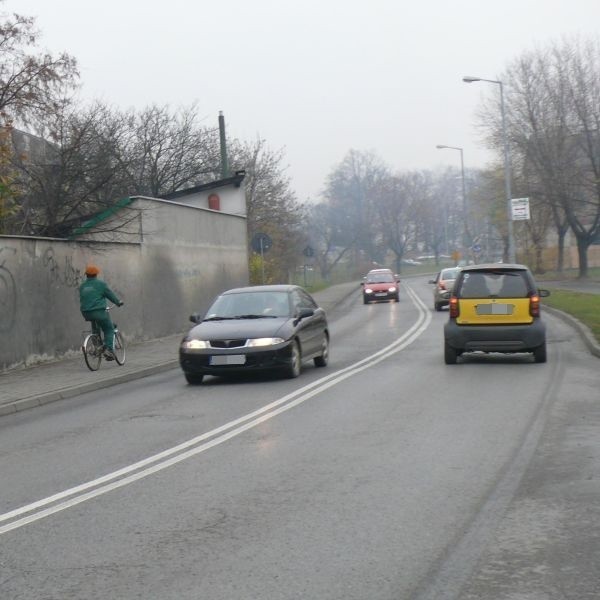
(387, 475)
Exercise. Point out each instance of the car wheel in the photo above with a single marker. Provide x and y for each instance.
(321, 361)
(397, 298)
(193, 379)
(450, 354)
(437, 306)
(293, 369)
(539, 353)
(365, 300)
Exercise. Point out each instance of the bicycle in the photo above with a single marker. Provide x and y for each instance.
(94, 349)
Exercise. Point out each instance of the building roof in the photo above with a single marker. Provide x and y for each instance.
(236, 180)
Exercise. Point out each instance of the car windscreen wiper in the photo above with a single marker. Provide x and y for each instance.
(254, 317)
(217, 318)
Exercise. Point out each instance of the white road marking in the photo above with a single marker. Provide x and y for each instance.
(201, 443)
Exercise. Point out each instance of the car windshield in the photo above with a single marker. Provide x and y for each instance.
(494, 284)
(250, 305)
(380, 278)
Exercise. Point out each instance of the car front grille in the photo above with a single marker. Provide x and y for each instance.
(227, 343)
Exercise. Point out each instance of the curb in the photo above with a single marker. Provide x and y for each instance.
(70, 392)
(583, 330)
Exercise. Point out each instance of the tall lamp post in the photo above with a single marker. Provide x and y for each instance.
(466, 240)
(511, 239)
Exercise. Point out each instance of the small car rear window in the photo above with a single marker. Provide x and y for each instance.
(494, 284)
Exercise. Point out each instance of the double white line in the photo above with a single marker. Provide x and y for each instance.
(86, 491)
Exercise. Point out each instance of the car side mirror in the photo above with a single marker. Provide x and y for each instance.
(195, 318)
(432, 281)
(303, 313)
(543, 293)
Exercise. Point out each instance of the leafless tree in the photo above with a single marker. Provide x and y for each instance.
(553, 113)
(272, 205)
(32, 83)
(162, 150)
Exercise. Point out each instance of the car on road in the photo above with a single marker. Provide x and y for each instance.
(495, 308)
(269, 328)
(443, 281)
(381, 284)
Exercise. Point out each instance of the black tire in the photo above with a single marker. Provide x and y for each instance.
(365, 301)
(321, 361)
(450, 354)
(92, 351)
(293, 369)
(397, 298)
(119, 348)
(437, 306)
(193, 378)
(539, 353)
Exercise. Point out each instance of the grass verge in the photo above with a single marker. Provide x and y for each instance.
(584, 307)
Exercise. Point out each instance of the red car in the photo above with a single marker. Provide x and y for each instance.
(381, 284)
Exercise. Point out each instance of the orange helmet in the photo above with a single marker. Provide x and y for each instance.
(92, 270)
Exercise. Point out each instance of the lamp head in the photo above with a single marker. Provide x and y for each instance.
(440, 146)
(468, 79)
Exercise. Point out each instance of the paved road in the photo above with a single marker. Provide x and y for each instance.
(391, 476)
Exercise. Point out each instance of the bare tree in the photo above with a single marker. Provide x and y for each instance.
(554, 125)
(272, 205)
(32, 83)
(162, 151)
(71, 173)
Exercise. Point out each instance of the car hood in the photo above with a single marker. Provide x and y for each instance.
(380, 287)
(239, 329)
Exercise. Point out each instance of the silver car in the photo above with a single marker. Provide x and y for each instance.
(444, 282)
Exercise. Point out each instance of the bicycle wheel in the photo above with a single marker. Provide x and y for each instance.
(92, 351)
(119, 348)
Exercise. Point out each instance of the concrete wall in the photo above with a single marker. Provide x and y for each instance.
(188, 255)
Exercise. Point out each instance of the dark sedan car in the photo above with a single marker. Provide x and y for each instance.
(260, 328)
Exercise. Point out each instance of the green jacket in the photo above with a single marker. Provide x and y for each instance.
(93, 294)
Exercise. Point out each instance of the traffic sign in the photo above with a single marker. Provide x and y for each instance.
(261, 243)
(308, 252)
(520, 209)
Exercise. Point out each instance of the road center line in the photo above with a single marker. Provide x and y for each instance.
(201, 443)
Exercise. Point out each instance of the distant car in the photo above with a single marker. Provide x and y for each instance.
(270, 328)
(495, 308)
(411, 261)
(443, 282)
(381, 284)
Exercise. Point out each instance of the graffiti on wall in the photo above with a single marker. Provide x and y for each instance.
(8, 291)
(63, 274)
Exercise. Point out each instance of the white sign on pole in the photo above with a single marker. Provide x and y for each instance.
(520, 209)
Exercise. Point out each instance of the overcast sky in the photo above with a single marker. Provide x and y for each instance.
(315, 77)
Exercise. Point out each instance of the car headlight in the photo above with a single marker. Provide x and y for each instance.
(368, 291)
(194, 344)
(392, 289)
(272, 341)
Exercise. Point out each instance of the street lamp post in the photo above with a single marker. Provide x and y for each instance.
(466, 240)
(511, 239)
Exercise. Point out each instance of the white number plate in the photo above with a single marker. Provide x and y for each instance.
(494, 309)
(228, 359)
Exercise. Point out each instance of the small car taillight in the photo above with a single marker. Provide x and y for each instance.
(534, 305)
(453, 307)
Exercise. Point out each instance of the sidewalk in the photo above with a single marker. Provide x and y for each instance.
(21, 389)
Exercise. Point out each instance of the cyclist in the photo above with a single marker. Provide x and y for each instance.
(93, 293)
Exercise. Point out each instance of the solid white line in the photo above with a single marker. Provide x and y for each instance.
(236, 427)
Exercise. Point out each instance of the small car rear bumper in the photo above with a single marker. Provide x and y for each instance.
(495, 338)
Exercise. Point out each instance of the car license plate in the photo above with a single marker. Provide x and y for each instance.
(494, 309)
(228, 359)
(381, 294)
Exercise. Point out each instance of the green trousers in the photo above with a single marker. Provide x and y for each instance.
(101, 319)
